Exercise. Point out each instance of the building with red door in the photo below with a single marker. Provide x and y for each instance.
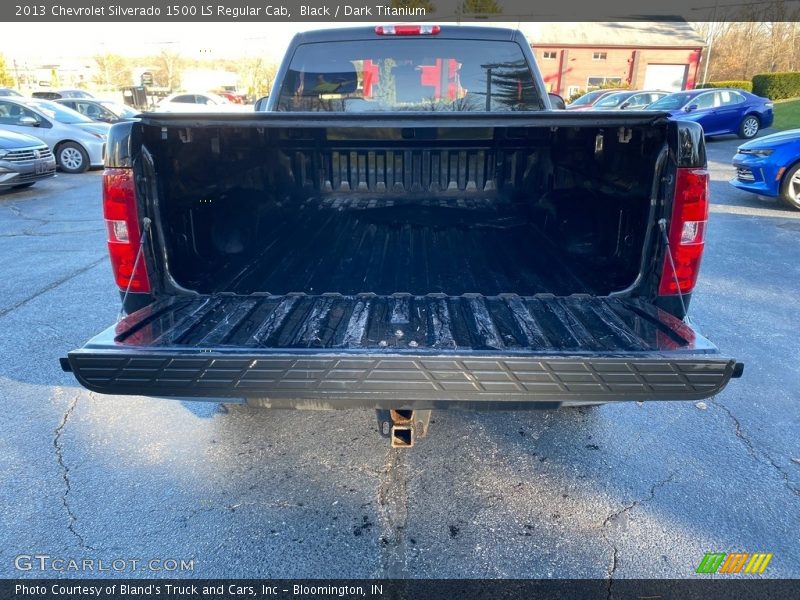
(573, 57)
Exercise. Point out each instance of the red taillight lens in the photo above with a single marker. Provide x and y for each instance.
(122, 224)
(407, 29)
(687, 231)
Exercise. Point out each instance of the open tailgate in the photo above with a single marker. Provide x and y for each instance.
(430, 351)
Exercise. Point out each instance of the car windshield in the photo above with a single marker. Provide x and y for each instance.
(423, 74)
(62, 114)
(670, 102)
(588, 98)
(120, 109)
(610, 101)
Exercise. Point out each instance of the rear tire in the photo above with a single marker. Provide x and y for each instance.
(790, 187)
(749, 127)
(72, 158)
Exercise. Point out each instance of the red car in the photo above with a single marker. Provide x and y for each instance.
(589, 99)
(232, 97)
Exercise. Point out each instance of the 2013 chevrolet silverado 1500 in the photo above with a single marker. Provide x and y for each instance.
(408, 226)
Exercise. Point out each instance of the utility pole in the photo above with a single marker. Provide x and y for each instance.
(16, 73)
(711, 28)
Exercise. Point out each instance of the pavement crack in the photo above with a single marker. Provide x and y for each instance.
(51, 286)
(65, 473)
(610, 572)
(18, 213)
(393, 515)
(751, 449)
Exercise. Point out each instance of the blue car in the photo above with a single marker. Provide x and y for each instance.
(770, 166)
(719, 111)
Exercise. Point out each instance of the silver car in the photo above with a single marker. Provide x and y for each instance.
(76, 140)
(24, 160)
(103, 111)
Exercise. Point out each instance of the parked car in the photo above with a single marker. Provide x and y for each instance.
(4, 91)
(104, 111)
(418, 254)
(58, 94)
(719, 111)
(77, 141)
(197, 102)
(24, 160)
(627, 100)
(588, 99)
(233, 97)
(770, 166)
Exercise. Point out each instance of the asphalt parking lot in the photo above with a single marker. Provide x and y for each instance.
(623, 490)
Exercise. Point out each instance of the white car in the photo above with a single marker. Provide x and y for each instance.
(204, 102)
(77, 141)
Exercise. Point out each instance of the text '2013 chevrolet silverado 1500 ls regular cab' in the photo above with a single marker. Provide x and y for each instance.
(408, 226)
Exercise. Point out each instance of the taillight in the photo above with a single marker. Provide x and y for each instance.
(122, 224)
(407, 29)
(687, 231)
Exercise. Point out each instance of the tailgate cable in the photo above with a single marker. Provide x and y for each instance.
(662, 224)
(145, 228)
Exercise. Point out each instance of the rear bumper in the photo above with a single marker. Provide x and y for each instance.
(390, 381)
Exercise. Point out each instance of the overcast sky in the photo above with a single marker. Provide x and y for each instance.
(55, 42)
(216, 40)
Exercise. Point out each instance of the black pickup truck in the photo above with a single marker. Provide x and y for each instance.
(409, 226)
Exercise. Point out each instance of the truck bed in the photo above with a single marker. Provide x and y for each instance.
(442, 245)
(403, 350)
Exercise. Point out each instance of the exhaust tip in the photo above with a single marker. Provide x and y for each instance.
(402, 436)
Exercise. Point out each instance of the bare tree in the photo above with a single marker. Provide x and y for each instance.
(480, 7)
(256, 75)
(169, 67)
(757, 38)
(112, 70)
(429, 7)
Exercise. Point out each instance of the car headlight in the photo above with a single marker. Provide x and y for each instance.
(756, 151)
(3, 153)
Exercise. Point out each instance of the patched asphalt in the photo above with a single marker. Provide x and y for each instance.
(622, 490)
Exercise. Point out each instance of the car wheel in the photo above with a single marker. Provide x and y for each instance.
(72, 158)
(749, 127)
(790, 187)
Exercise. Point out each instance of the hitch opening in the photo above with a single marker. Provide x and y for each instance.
(402, 436)
(403, 427)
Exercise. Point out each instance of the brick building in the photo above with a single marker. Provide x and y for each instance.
(661, 55)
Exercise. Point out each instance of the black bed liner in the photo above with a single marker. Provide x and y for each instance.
(403, 350)
(354, 244)
(542, 324)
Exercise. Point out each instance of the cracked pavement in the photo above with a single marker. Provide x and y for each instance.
(617, 491)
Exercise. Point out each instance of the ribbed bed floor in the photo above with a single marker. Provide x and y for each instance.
(450, 246)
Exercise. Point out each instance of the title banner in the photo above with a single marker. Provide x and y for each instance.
(396, 10)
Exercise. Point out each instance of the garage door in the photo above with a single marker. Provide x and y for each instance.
(669, 78)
